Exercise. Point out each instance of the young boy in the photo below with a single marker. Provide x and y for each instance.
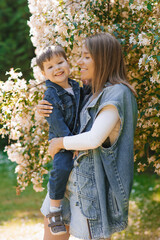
(64, 95)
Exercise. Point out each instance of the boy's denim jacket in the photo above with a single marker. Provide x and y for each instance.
(65, 114)
(105, 175)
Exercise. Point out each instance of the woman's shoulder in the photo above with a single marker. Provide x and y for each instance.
(121, 97)
(116, 91)
(116, 88)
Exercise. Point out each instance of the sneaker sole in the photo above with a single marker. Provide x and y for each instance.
(59, 233)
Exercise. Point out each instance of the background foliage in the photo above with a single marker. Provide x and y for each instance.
(16, 49)
(135, 24)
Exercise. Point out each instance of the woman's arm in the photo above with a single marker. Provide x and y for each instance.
(101, 129)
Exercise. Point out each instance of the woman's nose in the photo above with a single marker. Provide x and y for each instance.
(79, 61)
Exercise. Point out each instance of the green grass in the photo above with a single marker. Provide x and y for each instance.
(24, 206)
(144, 215)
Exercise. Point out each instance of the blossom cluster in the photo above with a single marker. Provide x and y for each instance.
(68, 29)
(26, 130)
(66, 22)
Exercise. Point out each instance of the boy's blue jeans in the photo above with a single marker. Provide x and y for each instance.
(62, 166)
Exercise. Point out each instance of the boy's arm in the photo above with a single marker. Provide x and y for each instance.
(57, 125)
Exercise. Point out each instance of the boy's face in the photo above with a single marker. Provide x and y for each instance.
(57, 70)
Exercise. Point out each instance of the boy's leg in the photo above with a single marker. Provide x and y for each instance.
(55, 203)
(62, 166)
(49, 236)
(55, 220)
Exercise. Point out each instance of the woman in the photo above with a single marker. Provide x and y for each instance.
(100, 183)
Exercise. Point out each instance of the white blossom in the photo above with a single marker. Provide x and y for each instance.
(143, 39)
(132, 39)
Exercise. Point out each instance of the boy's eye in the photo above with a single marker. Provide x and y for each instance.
(60, 62)
(50, 67)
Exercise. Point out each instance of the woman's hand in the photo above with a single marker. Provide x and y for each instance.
(55, 145)
(44, 108)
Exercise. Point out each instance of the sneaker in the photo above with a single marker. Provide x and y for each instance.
(57, 227)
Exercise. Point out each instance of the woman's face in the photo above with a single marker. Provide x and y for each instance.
(86, 64)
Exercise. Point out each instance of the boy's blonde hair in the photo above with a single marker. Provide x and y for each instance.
(47, 53)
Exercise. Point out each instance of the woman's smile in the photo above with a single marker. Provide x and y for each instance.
(83, 70)
(86, 64)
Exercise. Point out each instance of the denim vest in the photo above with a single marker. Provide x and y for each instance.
(63, 121)
(105, 175)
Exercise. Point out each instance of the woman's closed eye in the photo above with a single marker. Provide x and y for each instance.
(60, 62)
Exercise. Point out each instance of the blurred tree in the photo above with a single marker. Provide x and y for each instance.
(16, 49)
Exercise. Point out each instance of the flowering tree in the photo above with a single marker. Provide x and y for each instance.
(135, 24)
(29, 133)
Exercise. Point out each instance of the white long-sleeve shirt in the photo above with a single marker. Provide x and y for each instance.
(106, 124)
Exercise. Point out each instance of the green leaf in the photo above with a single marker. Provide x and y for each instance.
(102, 28)
(68, 30)
(156, 37)
(131, 2)
(80, 32)
(75, 25)
(72, 38)
(115, 34)
(136, 30)
(158, 58)
(134, 46)
(149, 6)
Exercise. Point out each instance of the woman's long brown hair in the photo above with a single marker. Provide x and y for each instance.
(108, 58)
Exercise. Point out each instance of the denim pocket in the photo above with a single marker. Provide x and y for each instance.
(86, 186)
(114, 176)
(88, 207)
(87, 194)
(114, 208)
(80, 156)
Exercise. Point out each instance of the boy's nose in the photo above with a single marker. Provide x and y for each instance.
(56, 67)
